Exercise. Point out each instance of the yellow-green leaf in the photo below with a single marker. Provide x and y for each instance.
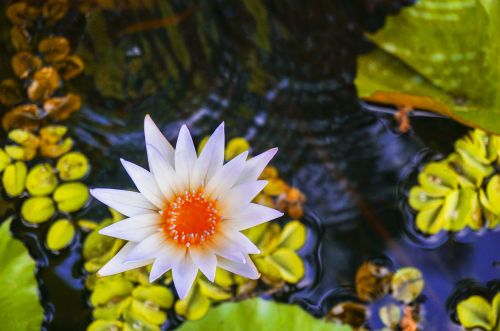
(194, 306)
(475, 312)
(288, 263)
(4, 160)
(159, 295)
(407, 284)
(73, 166)
(37, 209)
(71, 197)
(41, 180)
(14, 178)
(293, 236)
(60, 235)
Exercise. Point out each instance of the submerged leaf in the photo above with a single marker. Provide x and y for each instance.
(19, 297)
(266, 315)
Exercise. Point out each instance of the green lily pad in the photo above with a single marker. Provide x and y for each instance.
(257, 315)
(21, 309)
(440, 57)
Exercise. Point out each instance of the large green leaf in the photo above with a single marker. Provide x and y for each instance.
(259, 315)
(440, 56)
(20, 308)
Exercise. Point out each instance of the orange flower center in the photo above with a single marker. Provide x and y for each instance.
(190, 218)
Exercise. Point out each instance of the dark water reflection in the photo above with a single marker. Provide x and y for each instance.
(280, 74)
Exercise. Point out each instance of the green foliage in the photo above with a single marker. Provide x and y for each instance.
(20, 308)
(476, 312)
(439, 56)
(462, 190)
(257, 315)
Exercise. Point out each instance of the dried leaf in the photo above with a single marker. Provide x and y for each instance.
(24, 116)
(25, 63)
(70, 67)
(21, 13)
(9, 92)
(62, 107)
(54, 49)
(372, 281)
(54, 10)
(20, 38)
(45, 82)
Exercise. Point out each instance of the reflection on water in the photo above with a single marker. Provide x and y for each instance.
(278, 74)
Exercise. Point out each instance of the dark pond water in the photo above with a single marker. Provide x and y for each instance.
(280, 74)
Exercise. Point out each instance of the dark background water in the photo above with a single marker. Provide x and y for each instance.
(279, 73)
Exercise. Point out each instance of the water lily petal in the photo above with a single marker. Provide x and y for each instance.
(251, 215)
(226, 176)
(145, 183)
(127, 203)
(184, 273)
(164, 173)
(147, 248)
(168, 256)
(211, 158)
(185, 156)
(205, 260)
(134, 228)
(254, 167)
(246, 269)
(154, 137)
(116, 265)
(239, 195)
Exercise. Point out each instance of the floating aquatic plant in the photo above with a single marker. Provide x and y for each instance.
(18, 286)
(268, 316)
(40, 169)
(268, 237)
(190, 210)
(460, 191)
(43, 68)
(375, 281)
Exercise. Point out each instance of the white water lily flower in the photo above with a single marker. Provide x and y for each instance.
(190, 210)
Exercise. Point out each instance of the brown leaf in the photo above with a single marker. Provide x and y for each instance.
(9, 92)
(20, 38)
(25, 63)
(21, 13)
(70, 67)
(54, 49)
(372, 281)
(351, 313)
(24, 116)
(45, 82)
(54, 10)
(61, 108)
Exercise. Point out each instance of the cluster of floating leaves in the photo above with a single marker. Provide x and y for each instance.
(41, 170)
(475, 307)
(128, 300)
(462, 190)
(42, 69)
(375, 281)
